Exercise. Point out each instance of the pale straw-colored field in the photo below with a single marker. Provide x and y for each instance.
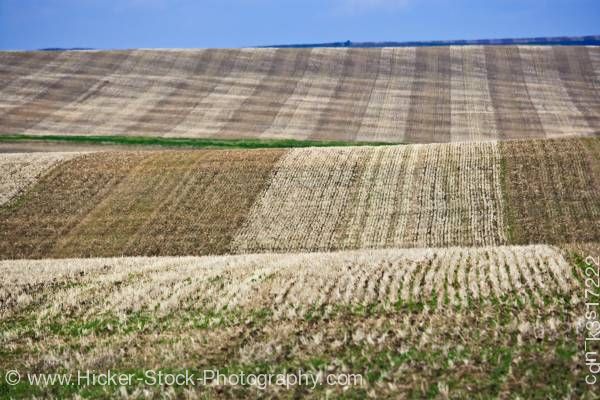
(283, 282)
(402, 318)
(402, 196)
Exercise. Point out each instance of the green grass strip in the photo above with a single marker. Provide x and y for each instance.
(187, 142)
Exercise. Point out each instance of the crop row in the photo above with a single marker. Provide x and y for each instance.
(403, 196)
(502, 348)
(285, 283)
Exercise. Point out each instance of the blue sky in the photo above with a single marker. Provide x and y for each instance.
(34, 24)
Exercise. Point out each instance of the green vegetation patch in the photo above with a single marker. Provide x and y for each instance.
(195, 143)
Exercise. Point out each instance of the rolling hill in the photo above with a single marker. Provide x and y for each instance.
(422, 217)
(208, 202)
(411, 94)
(475, 322)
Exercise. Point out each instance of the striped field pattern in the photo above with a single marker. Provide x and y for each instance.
(456, 262)
(206, 202)
(413, 95)
(452, 268)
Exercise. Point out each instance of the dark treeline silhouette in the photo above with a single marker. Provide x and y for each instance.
(592, 40)
(65, 49)
(554, 41)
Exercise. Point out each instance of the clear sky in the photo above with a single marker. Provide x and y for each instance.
(34, 24)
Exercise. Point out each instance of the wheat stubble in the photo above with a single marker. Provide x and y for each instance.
(342, 116)
(256, 114)
(59, 201)
(428, 117)
(472, 112)
(406, 196)
(552, 190)
(150, 203)
(581, 81)
(557, 112)
(22, 170)
(418, 95)
(516, 117)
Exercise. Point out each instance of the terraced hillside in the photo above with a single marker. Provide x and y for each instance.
(317, 199)
(414, 95)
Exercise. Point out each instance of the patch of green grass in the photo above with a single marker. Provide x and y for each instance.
(146, 321)
(485, 371)
(484, 366)
(26, 324)
(580, 267)
(501, 359)
(193, 143)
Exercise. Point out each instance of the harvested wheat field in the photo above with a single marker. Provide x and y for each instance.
(438, 239)
(416, 322)
(391, 196)
(139, 203)
(19, 171)
(412, 95)
(553, 189)
(317, 199)
(447, 270)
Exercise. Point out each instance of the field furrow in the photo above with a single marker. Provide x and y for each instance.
(152, 88)
(86, 87)
(256, 114)
(72, 85)
(312, 199)
(173, 203)
(472, 111)
(385, 117)
(102, 98)
(219, 107)
(347, 104)
(28, 84)
(558, 114)
(308, 192)
(60, 201)
(404, 196)
(319, 81)
(578, 75)
(177, 99)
